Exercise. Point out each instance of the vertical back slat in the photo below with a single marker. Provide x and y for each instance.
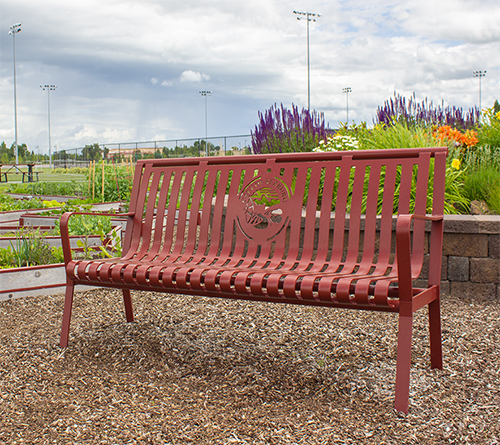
(161, 207)
(196, 197)
(204, 232)
(355, 218)
(310, 214)
(421, 194)
(218, 213)
(341, 210)
(182, 210)
(371, 216)
(405, 187)
(323, 245)
(150, 217)
(294, 248)
(138, 199)
(439, 182)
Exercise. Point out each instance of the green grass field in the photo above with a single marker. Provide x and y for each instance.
(44, 175)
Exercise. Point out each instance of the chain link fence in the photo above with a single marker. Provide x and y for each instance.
(173, 148)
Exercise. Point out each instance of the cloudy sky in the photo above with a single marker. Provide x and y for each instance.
(131, 70)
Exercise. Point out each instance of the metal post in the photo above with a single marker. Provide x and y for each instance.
(347, 90)
(308, 19)
(49, 88)
(308, 68)
(206, 93)
(479, 74)
(14, 29)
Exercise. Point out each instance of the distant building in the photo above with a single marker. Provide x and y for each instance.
(129, 153)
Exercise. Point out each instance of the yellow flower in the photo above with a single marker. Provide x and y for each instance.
(456, 164)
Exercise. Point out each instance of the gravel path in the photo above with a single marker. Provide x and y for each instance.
(203, 371)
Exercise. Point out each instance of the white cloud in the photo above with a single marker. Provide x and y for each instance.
(459, 20)
(254, 60)
(193, 76)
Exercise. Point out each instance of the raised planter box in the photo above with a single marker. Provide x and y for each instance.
(43, 197)
(48, 222)
(33, 281)
(55, 241)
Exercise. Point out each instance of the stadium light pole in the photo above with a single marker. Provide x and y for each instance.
(49, 88)
(206, 93)
(479, 74)
(14, 29)
(308, 17)
(347, 90)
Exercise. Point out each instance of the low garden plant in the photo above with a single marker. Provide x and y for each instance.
(29, 248)
(281, 130)
(8, 203)
(72, 188)
(473, 170)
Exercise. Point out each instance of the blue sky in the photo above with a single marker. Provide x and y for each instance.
(131, 70)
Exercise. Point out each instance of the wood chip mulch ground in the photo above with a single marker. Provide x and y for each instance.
(196, 370)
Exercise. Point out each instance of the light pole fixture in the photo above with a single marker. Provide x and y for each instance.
(347, 90)
(49, 88)
(308, 17)
(479, 74)
(206, 93)
(14, 29)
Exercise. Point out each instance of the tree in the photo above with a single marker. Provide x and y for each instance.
(92, 152)
(22, 152)
(5, 153)
(496, 107)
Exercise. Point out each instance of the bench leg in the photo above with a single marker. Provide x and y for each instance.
(403, 363)
(127, 300)
(435, 335)
(68, 306)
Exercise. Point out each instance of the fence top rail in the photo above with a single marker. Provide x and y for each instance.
(140, 143)
(296, 157)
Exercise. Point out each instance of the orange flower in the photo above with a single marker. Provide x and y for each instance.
(467, 139)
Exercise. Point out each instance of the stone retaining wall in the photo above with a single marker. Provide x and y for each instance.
(471, 256)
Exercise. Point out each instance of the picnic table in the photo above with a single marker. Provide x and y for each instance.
(29, 176)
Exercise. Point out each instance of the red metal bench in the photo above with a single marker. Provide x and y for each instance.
(302, 228)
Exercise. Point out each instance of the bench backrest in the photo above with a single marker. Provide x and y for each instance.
(268, 210)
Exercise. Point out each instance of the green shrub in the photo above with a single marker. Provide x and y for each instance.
(86, 224)
(398, 135)
(117, 183)
(72, 188)
(483, 184)
(489, 131)
(71, 171)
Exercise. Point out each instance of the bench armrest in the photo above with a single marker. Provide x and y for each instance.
(63, 224)
(405, 253)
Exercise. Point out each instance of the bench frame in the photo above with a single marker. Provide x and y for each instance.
(236, 242)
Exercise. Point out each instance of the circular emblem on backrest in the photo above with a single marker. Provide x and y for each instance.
(264, 208)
